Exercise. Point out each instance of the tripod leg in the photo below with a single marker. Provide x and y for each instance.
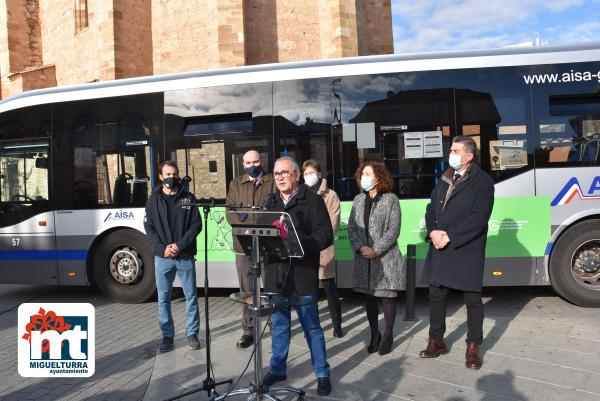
(231, 394)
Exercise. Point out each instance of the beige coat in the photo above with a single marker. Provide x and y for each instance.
(242, 192)
(332, 202)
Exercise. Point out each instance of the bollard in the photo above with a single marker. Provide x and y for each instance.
(411, 271)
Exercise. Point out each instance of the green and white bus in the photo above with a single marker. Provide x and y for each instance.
(77, 163)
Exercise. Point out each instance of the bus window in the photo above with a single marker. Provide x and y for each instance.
(567, 115)
(208, 130)
(24, 164)
(378, 112)
(106, 150)
(492, 107)
(303, 121)
(23, 180)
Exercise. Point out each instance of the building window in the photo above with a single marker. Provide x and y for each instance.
(81, 15)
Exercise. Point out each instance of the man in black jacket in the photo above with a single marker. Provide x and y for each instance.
(297, 279)
(172, 226)
(457, 223)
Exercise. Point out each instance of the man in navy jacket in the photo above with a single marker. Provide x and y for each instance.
(457, 224)
(172, 226)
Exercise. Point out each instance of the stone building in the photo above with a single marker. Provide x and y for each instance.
(46, 43)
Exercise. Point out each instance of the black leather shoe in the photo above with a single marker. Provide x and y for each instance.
(271, 379)
(323, 386)
(246, 341)
(374, 345)
(337, 332)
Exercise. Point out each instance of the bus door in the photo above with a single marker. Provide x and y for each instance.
(27, 237)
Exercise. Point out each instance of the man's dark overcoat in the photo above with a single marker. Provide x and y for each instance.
(464, 215)
(300, 276)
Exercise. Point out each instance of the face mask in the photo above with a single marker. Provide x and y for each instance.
(253, 171)
(454, 161)
(366, 183)
(311, 179)
(171, 182)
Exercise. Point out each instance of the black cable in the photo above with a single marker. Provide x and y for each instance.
(234, 385)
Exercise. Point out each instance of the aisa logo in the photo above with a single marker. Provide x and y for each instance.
(56, 340)
(119, 215)
(572, 189)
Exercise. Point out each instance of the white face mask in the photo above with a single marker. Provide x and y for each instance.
(366, 183)
(311, 179)
(454, 161)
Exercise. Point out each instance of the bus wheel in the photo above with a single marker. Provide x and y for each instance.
(123, 267)
(575, 264)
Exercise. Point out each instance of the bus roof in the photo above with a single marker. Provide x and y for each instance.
(444, 60)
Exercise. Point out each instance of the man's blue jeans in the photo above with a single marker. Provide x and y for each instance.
(308, 315)
(165, 270)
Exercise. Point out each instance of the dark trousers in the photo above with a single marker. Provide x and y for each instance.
(243, 263)
(437, 313)
(333, 302)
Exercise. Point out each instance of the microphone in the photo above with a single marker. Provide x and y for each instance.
(281, 225)
(210, 202)
(269, 202)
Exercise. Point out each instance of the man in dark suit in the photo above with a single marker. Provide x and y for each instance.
(457, 223)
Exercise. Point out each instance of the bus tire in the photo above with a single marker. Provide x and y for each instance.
(575, 264)
(123, 267)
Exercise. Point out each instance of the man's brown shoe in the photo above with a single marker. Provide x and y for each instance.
(434, 349)
(472, 359)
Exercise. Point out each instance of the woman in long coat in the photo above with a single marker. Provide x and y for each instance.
(373, 229)
(311, 170)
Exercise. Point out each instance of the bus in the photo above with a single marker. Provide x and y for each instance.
(77, 163)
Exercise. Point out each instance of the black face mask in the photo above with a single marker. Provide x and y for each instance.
(172, 182)
(253, 171)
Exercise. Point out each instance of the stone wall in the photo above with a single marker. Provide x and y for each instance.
(85, 56)
(184, 35)
(133, 38)
(128, 38)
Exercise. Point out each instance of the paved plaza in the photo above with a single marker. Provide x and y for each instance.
(537, 347)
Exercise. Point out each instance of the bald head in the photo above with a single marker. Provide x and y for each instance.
(252, 163)
(252, 158)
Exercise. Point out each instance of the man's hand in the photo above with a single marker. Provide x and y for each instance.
(439, 239)
(367, 252)
(171, 251)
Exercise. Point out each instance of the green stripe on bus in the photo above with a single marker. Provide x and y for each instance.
(519, 227)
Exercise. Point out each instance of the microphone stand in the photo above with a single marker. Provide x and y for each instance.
(209, 383)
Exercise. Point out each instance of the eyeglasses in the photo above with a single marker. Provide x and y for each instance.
(283, 174)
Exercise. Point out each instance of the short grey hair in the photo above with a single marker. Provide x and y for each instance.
(468, 143)
(290, 159)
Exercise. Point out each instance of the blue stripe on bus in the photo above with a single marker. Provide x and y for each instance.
(549, 248)
(46, 254)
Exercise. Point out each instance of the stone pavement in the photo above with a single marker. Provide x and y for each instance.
(537, 347)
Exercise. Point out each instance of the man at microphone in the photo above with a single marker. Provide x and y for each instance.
(296, 280)
(249, 189)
